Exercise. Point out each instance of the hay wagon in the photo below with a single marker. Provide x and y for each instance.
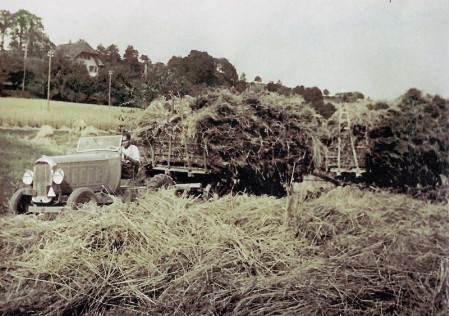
(184, 163)
(346, 152)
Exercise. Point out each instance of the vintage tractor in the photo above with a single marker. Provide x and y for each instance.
(93, 174)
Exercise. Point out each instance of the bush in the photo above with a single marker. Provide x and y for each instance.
(313, 96)
(325, 109)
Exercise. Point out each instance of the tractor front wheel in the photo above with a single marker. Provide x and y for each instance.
(20, 202)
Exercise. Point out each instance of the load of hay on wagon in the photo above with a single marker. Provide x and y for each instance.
(259, 141)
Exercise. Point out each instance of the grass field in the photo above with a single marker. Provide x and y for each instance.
(20, 120)
(35, 113)
(20, 150)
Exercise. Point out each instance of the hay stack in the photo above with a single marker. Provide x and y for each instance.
(257, 136)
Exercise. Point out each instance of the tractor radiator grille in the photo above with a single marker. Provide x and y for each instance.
(42, 178)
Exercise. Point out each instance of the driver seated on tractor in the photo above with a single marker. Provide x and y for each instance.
(130, 157)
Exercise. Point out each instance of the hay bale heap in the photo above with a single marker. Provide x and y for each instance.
(410, 146)
(259, 140)
(347, 252)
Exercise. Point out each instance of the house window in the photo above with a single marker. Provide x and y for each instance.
(93, 69)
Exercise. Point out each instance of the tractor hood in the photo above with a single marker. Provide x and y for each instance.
(95, 169)
(53, 161)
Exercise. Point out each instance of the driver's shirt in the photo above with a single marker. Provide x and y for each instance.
(131, 151)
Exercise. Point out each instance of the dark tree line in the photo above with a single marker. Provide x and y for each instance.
(135, 80)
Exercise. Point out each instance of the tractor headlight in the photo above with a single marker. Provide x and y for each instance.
(27, 177)
(58, 176)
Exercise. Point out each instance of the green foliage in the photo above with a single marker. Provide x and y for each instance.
(410, 148)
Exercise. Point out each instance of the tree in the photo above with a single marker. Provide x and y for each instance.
(11, 64)
(70, 80)
(131, 60)
(200, 68)
(146, 63)
(272, 87)
(326, 92)
(278, 88)
(413, 95)
(112, 55)
(6, 22)
(258, 79)
(101, 50)
(28, 29)
(299, 90)
(313, 96)
(226, 73)
(23, 28)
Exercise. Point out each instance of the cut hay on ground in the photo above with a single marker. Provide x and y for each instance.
(346, 253)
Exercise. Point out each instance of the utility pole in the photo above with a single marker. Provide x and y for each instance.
(50, 54)
(25, 46)
(110, 72)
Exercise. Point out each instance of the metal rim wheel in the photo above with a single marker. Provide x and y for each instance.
(20, 202)
(81, 196)
(160, 181)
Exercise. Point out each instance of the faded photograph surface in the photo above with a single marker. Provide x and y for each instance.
(224, 157)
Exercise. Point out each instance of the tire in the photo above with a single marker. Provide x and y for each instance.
(20, 202)
(217, 189)
(160, 181)
(79, 197)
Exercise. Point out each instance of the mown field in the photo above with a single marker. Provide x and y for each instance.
(36, 113)
(345, 251)
(348, 252)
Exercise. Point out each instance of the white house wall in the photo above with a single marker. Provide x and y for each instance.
(91, 65)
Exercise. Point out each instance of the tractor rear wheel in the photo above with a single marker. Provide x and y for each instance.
(160, 181)
(81, 196)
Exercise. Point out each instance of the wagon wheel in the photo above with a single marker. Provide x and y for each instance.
(160, 181)
(217, 188)
(20, 202)
(81, 196)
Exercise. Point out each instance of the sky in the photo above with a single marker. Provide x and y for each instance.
(380, 48)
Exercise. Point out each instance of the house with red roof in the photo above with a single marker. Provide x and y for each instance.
(82, 52)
